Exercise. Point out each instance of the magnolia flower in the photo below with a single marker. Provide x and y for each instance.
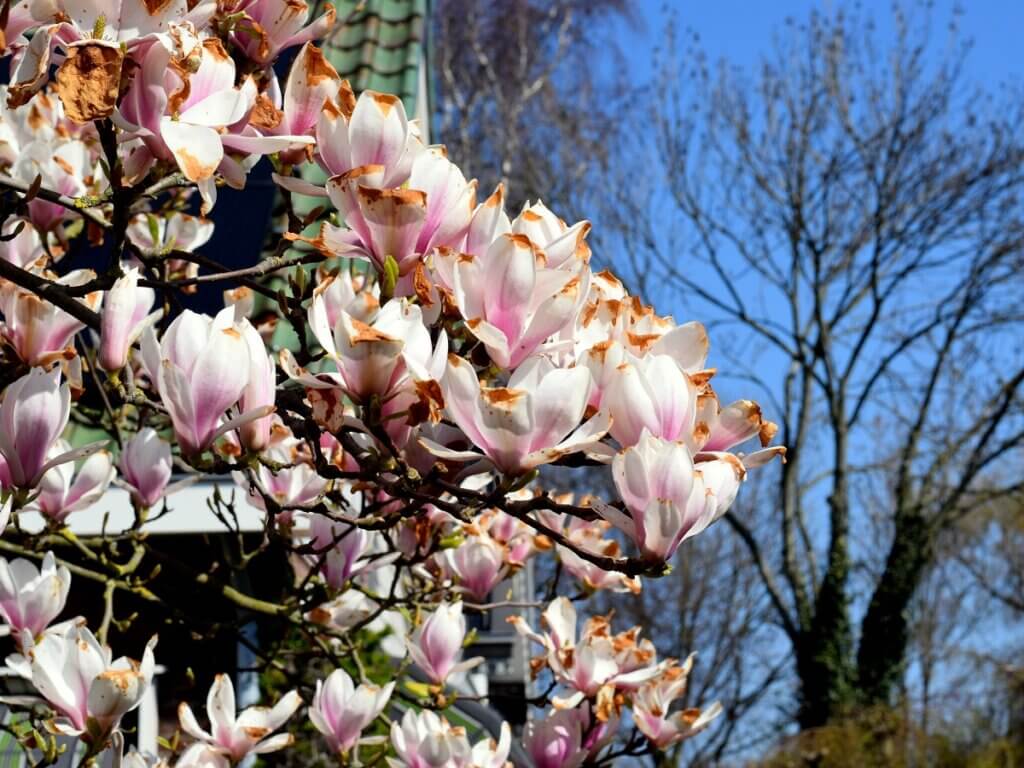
(342, 292)
(39, 331)
(403, 223)
(559, 243)
(590, 536)
(125, 314)
(426, 740)
(652, 709)
(63, 491)
(565, 738)
(172, 231)
(33, 414)
(23, 249)
(436, 645)
(311, 82)
(340, 710)
(294, 483)
(203, 371)
(249, 732)
(30, 597)
(272, 26)
(146, 466)
(77, 676)
(479, 564)
(200, 755)
(719, 429)
(596, 664)
(200, 130)
(378, 359)
(340, 549)
(64, 167)
(555, 740)
(260, 391)
(372, 130)
(666, 499)
(534, 420)
(512, 302)
(651, 393)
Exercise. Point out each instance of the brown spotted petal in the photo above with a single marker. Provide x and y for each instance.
(88, 80)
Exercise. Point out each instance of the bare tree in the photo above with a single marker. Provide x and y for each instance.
(852, 215)
(521, 97)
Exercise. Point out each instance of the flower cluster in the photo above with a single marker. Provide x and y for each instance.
(388, 404)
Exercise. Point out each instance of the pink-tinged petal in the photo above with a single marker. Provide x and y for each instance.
(298, 186)
(332, 140)
(197, 149)
(220, 708)
(317, 30)
(461, 389)
(259, 392)
(629, 399)
(631, 472)
(558, 405)
(264, 145)
(216, 74)
(687, 344)
(585, 438)
(615, 516)
(176, 394)
(764, 456)
(146, 466)
(567, 246)
(190, 724)
(92, 481)
(509, 279)
(675, 397)
(736, 423)
(219, 109)
(344, 193)
(184, 340)
(506, 423)
(489, 222)
(552, 316)
(32, 67)
(378, 129)
(367, 356)
(273, 744)
(560, 618)
(34, 412)
(450, 200)
(722, 477)
(119, 317)
(393, 218)
(311, 82)
(219, 376)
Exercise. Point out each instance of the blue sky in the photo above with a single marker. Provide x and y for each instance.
(740, 30)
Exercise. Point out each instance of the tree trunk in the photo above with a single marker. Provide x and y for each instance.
(885, 630)
(824, 659)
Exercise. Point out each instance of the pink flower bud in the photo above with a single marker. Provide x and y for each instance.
(248, 732)
(146, 466)
(340, 710)
(33, 414)
(30, 597)
(125, 314)
(436, 645)
(63, 491)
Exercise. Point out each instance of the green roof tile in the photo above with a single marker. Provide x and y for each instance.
(377, 45)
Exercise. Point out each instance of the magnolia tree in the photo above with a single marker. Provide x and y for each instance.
(439, 354)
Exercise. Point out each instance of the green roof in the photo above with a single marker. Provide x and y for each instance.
(378, 45)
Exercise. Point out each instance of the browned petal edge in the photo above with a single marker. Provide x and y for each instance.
(88, 81)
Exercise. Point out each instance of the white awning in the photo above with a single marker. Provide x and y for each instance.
(188, 512)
